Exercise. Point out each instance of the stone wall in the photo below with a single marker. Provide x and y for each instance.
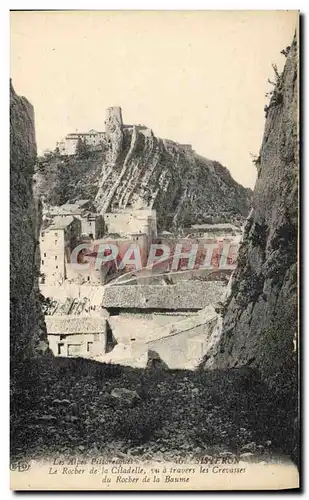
(184, 343)
(180, 344)
(77, 345)
(28, 332)
(128, 328)
(125, 222)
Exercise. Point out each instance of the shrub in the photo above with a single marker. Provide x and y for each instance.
(139, 424)
(275, 95)
(107, 370)
(82, 367)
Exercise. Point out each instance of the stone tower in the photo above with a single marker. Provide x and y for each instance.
(114, 132)
(113, 119)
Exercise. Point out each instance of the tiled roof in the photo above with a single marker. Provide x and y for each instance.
(60, 222)
(185, 295)
(67, 325)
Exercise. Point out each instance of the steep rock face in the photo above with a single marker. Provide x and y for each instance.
(141, 170)
(28, 332)
(136, 169)
(66, 179)
(260, 312)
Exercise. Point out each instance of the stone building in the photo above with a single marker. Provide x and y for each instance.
(67, 146)
(131, 221)
(76, 335)
(92, 224)
(56, 243)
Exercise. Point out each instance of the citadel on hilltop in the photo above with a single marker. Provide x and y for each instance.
(68, 145)
(96, 139)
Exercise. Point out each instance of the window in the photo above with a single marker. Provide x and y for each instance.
(55, 257)
(74, 349)
(42, 233)
(56, 267)
(56, 234)
(61, 349)
(56, 241)
(89, 346)
(44, 254)
(42, 262)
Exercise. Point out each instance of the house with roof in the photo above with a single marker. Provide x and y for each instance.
(75, 336)
(92, 224)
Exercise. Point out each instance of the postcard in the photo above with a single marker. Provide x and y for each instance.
(154, 159)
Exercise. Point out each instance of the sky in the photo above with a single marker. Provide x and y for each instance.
(196, 77)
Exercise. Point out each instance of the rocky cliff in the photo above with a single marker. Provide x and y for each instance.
(142, 170)
(259, 323)
(28, 333)
(60, 179)
(137, 169)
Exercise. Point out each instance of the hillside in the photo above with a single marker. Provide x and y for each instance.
(59, 179)
(137, 169)
(178, 414)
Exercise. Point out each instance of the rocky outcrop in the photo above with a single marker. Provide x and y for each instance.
(28, 332)
(259, 324)
(60, 179)
(136, 169)
(141, 170)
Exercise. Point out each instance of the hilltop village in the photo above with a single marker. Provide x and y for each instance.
(106, 308)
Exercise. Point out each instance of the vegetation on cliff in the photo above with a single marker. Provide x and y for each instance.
(260, 321)
(135, 168)
(61, 179)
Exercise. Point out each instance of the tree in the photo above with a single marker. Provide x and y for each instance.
(82, 149)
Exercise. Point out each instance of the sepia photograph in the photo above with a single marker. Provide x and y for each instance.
(154, 239)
